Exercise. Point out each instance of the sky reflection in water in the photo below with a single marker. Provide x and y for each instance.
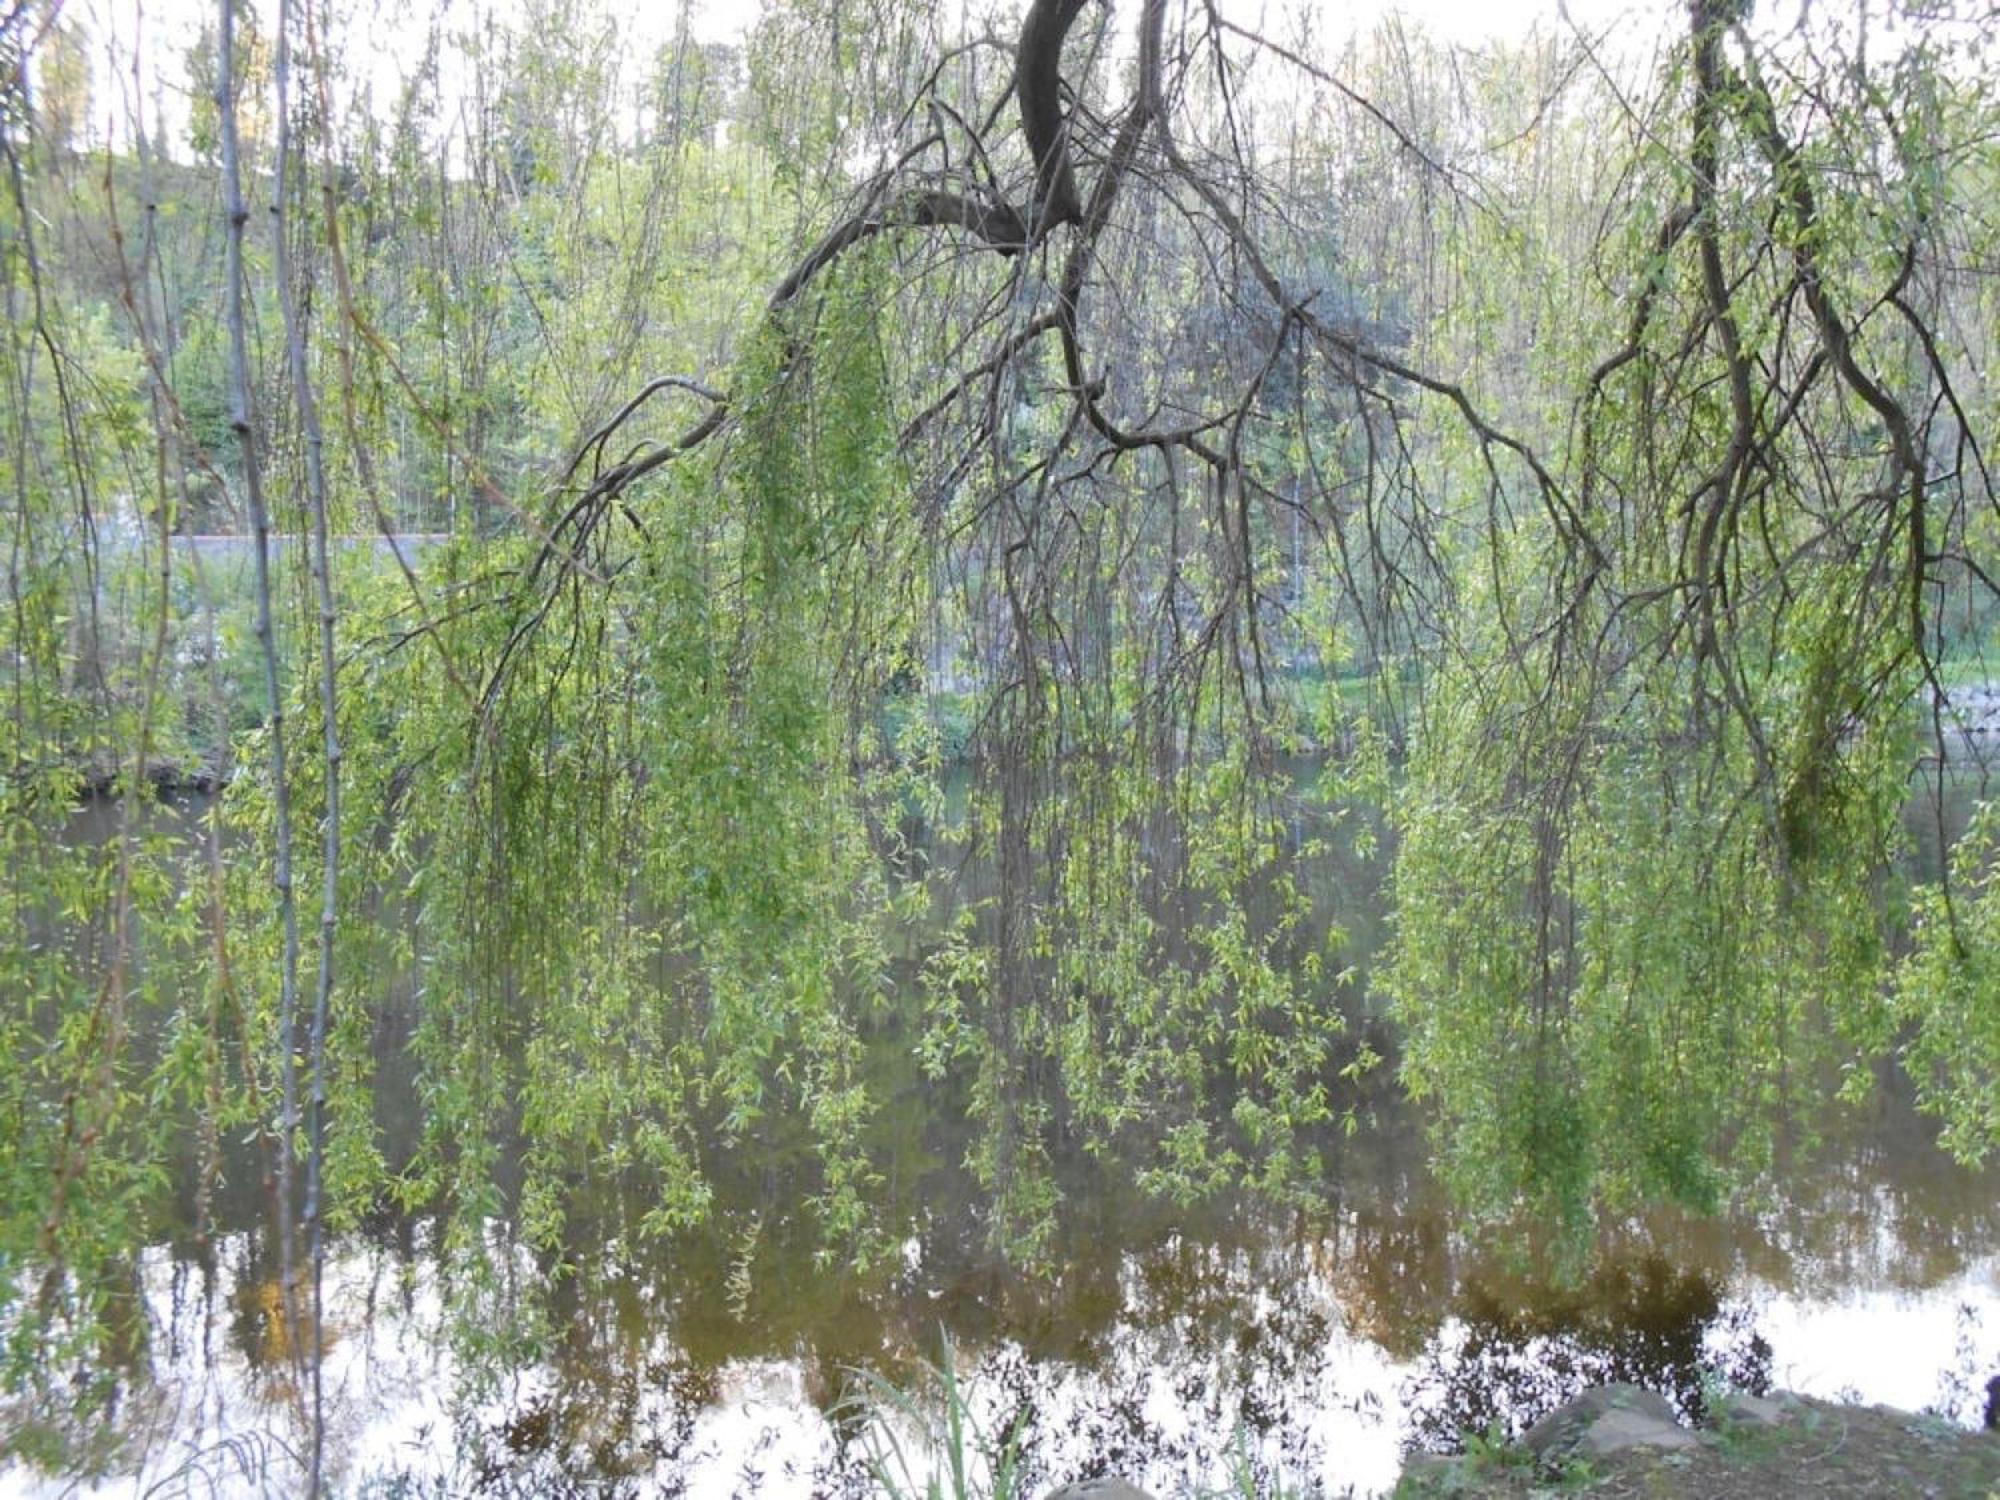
(1321, 1350)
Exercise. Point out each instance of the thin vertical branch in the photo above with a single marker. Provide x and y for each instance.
(281, 871)
(329, 916)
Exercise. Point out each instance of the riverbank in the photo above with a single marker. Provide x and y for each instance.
(1622, 1443)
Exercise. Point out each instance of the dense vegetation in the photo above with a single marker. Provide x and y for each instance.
(896, 539)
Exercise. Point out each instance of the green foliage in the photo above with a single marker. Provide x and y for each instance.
(92, 924)
(1947, 996)
(1623, 961)
(649, 908)
(1645, 887)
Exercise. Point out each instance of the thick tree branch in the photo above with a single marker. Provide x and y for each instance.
(989, 220)
(1038, 87)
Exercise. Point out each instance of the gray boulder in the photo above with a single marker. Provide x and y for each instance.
(1106, 1488)
(1743, 1411)
(1607, 1420)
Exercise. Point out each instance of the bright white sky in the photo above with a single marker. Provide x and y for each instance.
(164, 31)
(384, 38)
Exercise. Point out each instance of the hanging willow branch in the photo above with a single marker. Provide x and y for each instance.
(1134, 362)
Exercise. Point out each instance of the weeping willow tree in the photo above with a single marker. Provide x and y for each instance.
(1645, 893)
(711, 699)
(1677, 599)
(1146, 443)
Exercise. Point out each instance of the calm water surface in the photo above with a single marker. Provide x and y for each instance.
(1318, 1346)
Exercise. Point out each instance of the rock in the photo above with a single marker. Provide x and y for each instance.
(1620, 1431)
(1108, 1487)
(1742, 1410)
(1604, 1420)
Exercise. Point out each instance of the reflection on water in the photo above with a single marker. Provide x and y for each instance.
(1644, 1320)
(1320, 1349)
(1161, 1343)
